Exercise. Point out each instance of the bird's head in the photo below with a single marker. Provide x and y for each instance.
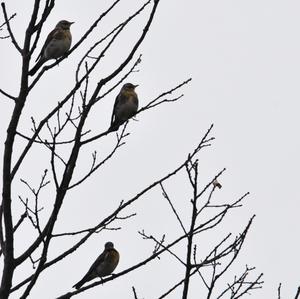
(109, 245)
(64, 24)
(129, 86)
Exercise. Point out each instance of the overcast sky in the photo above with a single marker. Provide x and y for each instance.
(243, 57)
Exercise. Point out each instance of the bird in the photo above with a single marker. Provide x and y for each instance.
(216, 184)
(104, 265)
(56, 45)
(125, 107)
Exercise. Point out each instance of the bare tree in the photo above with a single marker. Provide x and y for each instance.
(69, 118)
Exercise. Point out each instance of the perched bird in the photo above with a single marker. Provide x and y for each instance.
(216, 184)
(104, 265)
(126, 106)
(56, 45)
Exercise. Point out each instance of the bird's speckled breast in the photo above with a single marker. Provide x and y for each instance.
(129, 107)
(59, 45)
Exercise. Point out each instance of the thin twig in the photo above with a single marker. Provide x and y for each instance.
(134, 293)
(7, 95)
(173, 208)
(279, 291)
(7, 21)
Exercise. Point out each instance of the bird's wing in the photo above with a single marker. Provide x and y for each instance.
(92, 272)
(50, 36)
(117, 101)
(100, 259)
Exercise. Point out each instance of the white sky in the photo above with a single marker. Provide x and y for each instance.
(244, 59)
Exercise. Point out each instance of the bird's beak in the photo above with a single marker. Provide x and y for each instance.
(71, 23)
(135, 86)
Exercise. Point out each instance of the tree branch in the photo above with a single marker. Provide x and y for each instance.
(112, 215)
(7, 22)
(7, 95)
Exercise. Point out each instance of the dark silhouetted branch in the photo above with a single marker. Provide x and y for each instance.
(7, 22)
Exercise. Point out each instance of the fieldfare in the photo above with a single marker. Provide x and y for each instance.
(126, 106)
(104, 265)
(56, 45)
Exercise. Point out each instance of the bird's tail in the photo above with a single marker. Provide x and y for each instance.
(114, 126)
(79, 284)
(36, 67)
